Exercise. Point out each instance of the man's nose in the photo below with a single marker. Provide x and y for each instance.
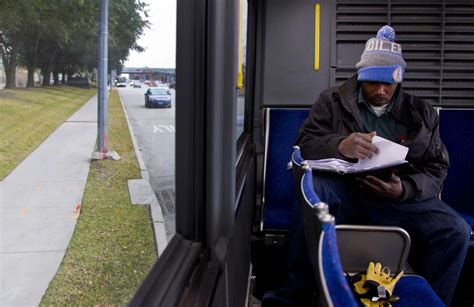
(381, 90)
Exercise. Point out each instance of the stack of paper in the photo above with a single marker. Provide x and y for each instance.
(390, 154)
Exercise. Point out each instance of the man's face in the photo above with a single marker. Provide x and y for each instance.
(378, 93)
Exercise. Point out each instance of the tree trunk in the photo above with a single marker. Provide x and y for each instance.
(31, 76)
(46, 76)
(49, 67)
(56, 77)
(10, 75)
(30, 57)
(9, 64)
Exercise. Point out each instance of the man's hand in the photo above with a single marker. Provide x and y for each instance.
(358, 145)
(391, 189)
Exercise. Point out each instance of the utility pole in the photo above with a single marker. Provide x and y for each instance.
(102, 147)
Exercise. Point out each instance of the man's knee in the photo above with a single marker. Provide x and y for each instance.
(328, 186)
(461, 233)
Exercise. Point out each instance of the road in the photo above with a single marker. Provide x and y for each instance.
(155, 134)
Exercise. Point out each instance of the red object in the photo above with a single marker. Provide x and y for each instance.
(403, 138)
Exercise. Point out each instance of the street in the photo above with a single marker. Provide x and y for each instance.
(155, 134)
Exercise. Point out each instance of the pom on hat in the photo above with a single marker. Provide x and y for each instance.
(386, 33)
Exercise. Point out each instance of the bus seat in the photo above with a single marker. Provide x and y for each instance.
(281, 129)
(356, 242)
(322, 247)
(457, 133)
(395, 241)
(321, 238)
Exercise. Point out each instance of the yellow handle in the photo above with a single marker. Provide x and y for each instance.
(317, 13)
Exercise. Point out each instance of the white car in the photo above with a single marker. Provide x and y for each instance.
(136, 83)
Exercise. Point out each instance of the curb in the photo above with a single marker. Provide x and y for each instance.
(141, 163)
(155, 207)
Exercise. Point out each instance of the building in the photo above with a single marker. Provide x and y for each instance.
(165, 75)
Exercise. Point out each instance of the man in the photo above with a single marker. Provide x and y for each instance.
(343, 122)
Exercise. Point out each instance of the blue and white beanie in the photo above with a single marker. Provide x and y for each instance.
(382, 59)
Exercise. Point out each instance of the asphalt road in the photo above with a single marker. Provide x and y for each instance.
(155, 134)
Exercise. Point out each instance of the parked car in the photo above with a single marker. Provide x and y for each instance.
(136, 83)
(158, 97)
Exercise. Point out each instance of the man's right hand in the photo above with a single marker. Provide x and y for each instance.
(358, 145)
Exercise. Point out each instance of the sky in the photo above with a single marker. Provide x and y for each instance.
(159, 40)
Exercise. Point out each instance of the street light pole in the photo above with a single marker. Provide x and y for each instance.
(102, 149)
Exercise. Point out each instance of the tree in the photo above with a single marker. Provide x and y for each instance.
(10, 30)
(62, 35)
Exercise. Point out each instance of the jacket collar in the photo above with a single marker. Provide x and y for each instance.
(348, 93)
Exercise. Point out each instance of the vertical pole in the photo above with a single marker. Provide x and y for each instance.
(102, 95)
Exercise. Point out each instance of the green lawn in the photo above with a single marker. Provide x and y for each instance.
(29, 116)
(112, 248)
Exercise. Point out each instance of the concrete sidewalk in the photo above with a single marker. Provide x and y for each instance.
(37, 208)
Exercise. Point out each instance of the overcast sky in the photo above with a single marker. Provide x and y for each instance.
(159, 40)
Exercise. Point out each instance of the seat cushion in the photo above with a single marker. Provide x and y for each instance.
(414, 290)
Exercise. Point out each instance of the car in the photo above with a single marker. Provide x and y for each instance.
(121, 82)
(158, 97)
(136, 83)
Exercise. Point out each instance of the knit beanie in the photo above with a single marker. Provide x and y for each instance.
(382, 59)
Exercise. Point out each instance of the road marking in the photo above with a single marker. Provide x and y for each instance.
(164, 129)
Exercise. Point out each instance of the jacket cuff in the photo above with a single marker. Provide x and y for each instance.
(409, 190)
(332, 147)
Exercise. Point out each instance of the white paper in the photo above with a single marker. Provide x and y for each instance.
(389, 153)
(331, 164)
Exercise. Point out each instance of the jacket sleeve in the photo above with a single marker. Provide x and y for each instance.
(433, 166)
(317, 136)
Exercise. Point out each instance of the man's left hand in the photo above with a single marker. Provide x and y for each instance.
(391, 189)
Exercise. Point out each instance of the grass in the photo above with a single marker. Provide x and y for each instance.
(112, 248)
(29, 116)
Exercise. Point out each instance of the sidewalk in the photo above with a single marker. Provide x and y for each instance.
(37, 208)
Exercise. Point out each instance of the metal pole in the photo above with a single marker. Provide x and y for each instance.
(102, 95)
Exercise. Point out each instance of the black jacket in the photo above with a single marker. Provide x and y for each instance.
(336, 114)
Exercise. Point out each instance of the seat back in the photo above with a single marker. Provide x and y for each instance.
(281, 129)
(358, 245)
(321, 240)
(457, 133)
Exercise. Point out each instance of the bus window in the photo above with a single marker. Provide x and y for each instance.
(241, 82)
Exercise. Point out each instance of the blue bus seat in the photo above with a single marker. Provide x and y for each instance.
(320, 234)
(457, 133)
(322, 246)
(281, 129)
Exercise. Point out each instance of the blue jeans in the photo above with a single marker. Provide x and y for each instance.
(439, 235)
